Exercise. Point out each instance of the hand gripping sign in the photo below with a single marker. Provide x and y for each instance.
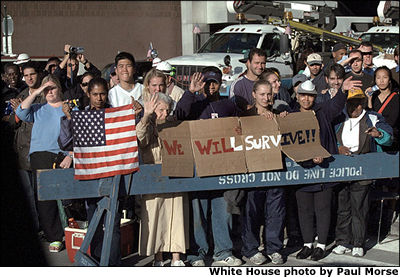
(215, 147)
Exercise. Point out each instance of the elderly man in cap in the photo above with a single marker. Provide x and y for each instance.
(241, 89)
(358, 131)
(314, 64)
(316, 199)
(173, 90)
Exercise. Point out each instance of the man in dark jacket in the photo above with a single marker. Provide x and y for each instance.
(316, 198)
(358, 132)
(207, 105)
(22, 137)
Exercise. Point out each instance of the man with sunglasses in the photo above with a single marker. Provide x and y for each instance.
(367, 55)
(356, 65)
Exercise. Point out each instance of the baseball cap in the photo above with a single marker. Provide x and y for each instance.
(307, 87)
(314, 58)
(355, 93)
(299, 78)
(338, 46)
(245, 56)
(213, 76)
(22, 58)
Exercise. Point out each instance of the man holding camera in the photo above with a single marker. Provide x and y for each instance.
(67, 70)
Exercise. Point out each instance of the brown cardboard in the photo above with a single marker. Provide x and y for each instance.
(176, 150)
(262, 133)
(212, 147)
(300, 136)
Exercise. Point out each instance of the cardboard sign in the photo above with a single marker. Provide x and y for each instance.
(262, 143)
(300, 136)
(214, 147)
(176, 150)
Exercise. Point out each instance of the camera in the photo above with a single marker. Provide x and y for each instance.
(76, 50)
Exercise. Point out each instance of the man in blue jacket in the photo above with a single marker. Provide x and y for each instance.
(201, 101)
(358, 132)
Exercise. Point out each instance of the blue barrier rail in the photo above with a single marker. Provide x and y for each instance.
(60, 184)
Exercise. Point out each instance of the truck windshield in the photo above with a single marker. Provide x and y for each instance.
(383, 40)
(230, 43)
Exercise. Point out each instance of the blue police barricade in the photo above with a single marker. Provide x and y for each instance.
(60, 184)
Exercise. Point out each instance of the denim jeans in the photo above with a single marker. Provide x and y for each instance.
(28, 187)
(221, 222)
(263, 206)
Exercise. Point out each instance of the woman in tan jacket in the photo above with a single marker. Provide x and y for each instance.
(164, 217)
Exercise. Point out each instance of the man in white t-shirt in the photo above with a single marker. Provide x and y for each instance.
(127, 89)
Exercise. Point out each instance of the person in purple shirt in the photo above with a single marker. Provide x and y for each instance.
(241, 89)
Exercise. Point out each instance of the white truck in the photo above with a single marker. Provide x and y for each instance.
(225, 48)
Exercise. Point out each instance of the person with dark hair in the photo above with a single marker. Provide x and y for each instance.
(201, 101)
(357, 73)
(385, 102)
(22, 137)
(80, 93)
(335, 75)
(67, 70)
(242, 87)
(339, 51)
(51, 65)
(123, 93)
(366, 49)
(13, 85)
(97, 91)
(358, 131)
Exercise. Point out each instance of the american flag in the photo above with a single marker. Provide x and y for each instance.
(105, 142)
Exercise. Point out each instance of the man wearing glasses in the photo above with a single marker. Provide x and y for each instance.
(356, 64)
(367, 51)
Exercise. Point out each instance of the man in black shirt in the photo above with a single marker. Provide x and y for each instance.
(357, 71)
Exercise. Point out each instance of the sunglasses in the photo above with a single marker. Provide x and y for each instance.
(367, 53)
(113, 74)
(85, 84)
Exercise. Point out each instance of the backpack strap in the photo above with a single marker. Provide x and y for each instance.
(386, 102)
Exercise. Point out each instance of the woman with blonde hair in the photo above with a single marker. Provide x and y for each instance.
(44, 149)
(164, 217)
(154, 81)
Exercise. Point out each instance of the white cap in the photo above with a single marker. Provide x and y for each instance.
(156, 61)
(307, 87)
(22, 58)
(164, 67)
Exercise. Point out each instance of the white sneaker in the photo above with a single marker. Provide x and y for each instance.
(340, 250)
(258, 258)
(178, 263)
(198, 263)
(276, 258)
(357, 252)
(158, 263)
(230, 261)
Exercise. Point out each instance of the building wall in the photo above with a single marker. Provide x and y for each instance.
(42, 28)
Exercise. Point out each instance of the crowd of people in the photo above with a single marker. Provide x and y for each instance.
(356, 105)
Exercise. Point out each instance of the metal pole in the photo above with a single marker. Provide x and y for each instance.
(6, 27)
